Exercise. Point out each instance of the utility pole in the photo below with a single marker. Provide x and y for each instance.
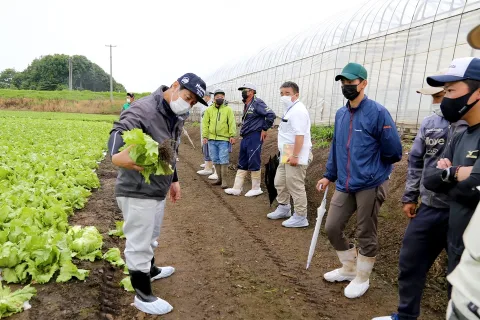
(70, 74)
(111, 78)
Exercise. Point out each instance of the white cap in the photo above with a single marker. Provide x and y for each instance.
(248, 85)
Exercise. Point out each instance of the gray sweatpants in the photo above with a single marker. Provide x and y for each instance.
(367, 204)
(143, 221)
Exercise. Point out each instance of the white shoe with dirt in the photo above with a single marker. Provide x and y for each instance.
(157, 307)
(213, 176)
(202, 165)
(283, 211)
(392, 317)
(348, 270)
(358, 286)
(295, 221)
(205, 172)
(164, 273)
(233, 192)
(253, 193)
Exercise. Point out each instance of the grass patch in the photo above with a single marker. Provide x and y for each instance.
(64, 95)
(321, 136)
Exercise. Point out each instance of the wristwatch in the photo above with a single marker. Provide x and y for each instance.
(446, 175)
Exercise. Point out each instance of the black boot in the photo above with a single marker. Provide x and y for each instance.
(142, 285)
(154, 270)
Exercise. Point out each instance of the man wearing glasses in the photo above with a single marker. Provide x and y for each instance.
(256, 120)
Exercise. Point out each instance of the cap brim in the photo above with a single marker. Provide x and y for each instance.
(430, 91)
(439, 81)
(348, 76)
(241, 88)
(473, 37)
(200, 100)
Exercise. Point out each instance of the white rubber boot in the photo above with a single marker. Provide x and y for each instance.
(256, 190)
(214, 175)
(358, 286)
(208, 170)
(238, 184)
(283, 211)
(348, 270)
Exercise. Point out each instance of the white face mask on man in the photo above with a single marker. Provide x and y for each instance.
(436, 109)
(128, 100)
(179, 106)
(286, 102)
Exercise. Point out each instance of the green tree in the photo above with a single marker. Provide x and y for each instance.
(6, 78)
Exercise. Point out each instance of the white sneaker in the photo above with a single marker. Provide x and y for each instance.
(164, 273)
(205, 172)
(282, 212)
(356, 290)
(392, 317)
(154, 244)
(253, 193)
(202, 165)
(156, 307)
(233, 192)
(337, 276)
(295, 221)
(213, 176)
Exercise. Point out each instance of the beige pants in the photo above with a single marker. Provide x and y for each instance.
(290, 181)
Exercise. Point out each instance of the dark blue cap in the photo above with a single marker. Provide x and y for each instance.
(195, 84)
(460, 69)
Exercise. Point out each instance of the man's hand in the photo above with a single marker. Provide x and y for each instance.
(410, 209)
(444, 163)
(175, 192)
(123, 160)
(322, 184)
(232, 140)
(263, 136)
(292, 161)
(205, 140)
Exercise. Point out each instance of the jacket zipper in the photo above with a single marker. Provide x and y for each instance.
(216, 122)
(348, 148)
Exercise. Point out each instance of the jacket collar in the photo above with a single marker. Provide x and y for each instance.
(365, 98)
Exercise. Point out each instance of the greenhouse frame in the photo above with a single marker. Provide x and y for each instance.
(400, 43)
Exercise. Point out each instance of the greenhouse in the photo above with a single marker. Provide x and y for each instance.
(400, 43)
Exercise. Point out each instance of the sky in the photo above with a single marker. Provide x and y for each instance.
(157, 41)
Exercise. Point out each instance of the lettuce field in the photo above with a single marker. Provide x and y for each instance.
(47, 170)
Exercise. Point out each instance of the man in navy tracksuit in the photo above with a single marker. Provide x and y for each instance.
(426, 234)
(256, 120)
(364, 147)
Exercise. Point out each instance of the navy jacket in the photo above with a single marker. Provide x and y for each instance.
(364, 147)
(257, 116)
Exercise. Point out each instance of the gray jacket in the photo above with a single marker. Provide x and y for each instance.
(432, 139)
(150, 115)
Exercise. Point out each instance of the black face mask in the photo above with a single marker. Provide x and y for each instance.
(454, 109)
(245, 95)
(219, 102)
(350, 91)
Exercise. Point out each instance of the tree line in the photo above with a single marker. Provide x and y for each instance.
(51, 73)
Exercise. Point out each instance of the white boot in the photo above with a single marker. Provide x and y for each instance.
(238, 184)
(360, 284)
(208, 170)
(214, 175)
(295, 221)
(157, 307)
(348, 271)
(283, 211)
(202, 165)
(256, 190)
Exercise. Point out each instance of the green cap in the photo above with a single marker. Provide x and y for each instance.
(352, 71)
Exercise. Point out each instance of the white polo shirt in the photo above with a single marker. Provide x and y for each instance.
(296, 122)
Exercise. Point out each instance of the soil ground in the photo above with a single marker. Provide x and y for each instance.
(231, 261)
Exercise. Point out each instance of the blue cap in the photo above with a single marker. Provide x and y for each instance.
(195, 84)
(459, 69)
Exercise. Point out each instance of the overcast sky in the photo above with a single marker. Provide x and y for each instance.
(157, 41)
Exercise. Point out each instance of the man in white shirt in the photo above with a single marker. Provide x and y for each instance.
(295, 145)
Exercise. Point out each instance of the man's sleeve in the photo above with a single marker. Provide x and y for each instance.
(331, 173)
(466, 191)
(232, 124)
(205, 124)
(415, 168)
(390, 144)
(129, 119)
(265, 111)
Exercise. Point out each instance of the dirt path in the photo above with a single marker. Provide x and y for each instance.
(231, 262)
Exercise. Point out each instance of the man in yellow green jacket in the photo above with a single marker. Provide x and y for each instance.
(219, 131)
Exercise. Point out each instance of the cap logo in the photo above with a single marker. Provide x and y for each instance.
(185, 80)
(200, 90)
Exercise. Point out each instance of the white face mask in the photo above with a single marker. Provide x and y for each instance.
(179, 106)
(128, 100)
(286, 102)
(436, 109)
